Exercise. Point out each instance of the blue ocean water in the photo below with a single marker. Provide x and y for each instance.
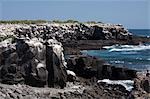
(140, 32)
(131, 56)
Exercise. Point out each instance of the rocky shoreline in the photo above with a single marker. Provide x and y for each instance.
(48, 55)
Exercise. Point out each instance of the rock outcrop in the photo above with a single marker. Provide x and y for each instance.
(141, 88)
(88, 67)
(36, 57)
(34, 62)
(33, 55)
(67, 31)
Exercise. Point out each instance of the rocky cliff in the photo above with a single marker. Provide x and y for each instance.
(33, 55)
(33, 61)
(67, 31)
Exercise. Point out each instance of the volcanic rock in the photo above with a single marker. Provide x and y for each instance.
(34, 62)
(71, 32)
(88, 67)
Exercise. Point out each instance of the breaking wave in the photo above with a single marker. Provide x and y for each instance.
(119, 48)
(128, 84)
(131, 56)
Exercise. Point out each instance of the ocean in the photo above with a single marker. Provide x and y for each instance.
(132, 56)
(140, 32)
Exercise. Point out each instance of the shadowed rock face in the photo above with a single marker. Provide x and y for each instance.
(98, 33)
(33, 62)
(54, 64)
(88, 67)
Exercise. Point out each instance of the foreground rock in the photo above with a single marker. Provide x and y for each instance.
(78, 90)
(33, 62)
(141, 87)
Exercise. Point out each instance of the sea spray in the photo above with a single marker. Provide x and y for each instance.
(128, 84)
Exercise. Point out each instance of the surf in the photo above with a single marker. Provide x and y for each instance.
(119, 48)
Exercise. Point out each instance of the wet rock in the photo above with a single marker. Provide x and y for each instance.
(88, 67)
(107, 71)
(83, 66)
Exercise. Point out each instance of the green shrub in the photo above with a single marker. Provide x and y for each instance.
(67, 21)
(71, 21)
(42, 21)
(91, 22)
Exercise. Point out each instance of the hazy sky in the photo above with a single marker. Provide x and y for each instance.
(130, 13)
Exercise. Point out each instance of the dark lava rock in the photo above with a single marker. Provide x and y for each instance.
(88, 67)
(33, 62)
(84, 66)
(98, 33)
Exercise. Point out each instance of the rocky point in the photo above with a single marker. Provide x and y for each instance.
(38, 59)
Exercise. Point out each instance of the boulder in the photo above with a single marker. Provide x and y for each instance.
(145, 84)
(84, 66)
(141, 86)
(142, 83)
(71, 76)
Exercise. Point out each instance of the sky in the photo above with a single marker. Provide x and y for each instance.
(130, 13)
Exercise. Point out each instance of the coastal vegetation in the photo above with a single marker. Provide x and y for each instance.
(67, 21)
(43, 21)
(22, 21)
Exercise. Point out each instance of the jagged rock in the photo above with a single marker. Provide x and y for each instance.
(145, 84)
(34, 62)
(55, 64)
(82, 65)
(88, 66)
(74, 32)
(71, 76)
(98, 33)
(141, 87)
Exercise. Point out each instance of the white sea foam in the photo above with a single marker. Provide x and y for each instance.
(117, 62)
(129, 52)
(110, 47)
(148, 59)
(118, 48)
(128, 84)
